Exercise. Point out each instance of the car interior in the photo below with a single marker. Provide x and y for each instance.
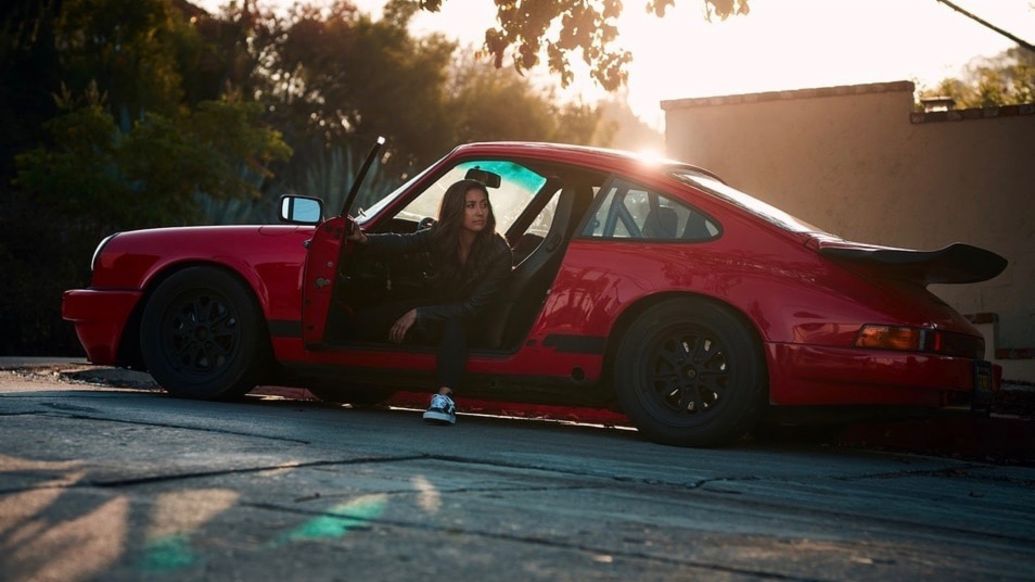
(538, 208)
(629, 211)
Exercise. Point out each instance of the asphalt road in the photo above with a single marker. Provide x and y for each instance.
(112, 484)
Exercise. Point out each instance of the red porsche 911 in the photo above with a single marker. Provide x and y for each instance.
(653, 288)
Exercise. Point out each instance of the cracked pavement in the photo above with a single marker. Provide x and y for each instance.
(106, 483)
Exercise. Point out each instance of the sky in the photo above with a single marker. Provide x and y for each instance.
(780, 45)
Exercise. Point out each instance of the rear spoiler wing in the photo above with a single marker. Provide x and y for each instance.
(956, 263)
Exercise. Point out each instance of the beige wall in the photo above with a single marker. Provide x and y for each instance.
(854, 165)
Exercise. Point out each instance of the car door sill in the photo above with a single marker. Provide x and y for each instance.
(409, 349)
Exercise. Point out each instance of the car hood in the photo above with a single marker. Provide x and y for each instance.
(208, 231)
(132, 258)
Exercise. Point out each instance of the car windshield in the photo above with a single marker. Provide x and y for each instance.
(517, 186)
(367, 214)
(753, 205)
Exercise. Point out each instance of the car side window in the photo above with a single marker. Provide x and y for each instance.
(628, 211)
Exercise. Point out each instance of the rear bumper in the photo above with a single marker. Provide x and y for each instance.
(818, 375)
(99, 318)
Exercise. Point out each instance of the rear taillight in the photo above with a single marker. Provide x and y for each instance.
(918, 339)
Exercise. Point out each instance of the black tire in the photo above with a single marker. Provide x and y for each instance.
(689, 372)
(357, 396)
(203, 335)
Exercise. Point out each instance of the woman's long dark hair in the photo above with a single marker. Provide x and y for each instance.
(446, 235)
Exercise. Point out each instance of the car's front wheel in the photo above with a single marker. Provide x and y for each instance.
(202, 335)
(689, 372)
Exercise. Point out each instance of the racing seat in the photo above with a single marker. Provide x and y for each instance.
(696, 227)
(661, 223)
(511, 316)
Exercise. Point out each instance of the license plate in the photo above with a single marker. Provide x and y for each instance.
(982, 400)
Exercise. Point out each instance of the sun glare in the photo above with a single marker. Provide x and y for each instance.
(652, 156)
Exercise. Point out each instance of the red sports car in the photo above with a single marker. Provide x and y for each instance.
(651, 287)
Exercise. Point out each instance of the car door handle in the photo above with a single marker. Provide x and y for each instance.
(321, 282)
(307, 242)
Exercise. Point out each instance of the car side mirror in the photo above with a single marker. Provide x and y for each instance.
(301, 209)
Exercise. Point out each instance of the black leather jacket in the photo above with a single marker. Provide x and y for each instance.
(465, 294)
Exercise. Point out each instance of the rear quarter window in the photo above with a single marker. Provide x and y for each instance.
(629, 211)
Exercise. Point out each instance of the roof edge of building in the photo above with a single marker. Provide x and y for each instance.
(836, 91)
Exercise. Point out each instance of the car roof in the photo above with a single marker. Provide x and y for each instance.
(577, 154)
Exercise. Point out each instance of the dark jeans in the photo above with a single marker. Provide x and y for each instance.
(374, 323)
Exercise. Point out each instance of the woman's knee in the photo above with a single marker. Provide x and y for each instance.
(447, 332)
(454, 327)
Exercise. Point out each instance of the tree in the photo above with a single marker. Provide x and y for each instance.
(334, 79)
(567, 29)
(489, 104)
(126, 47)
(102, 179)
(337, 73)
(1006, 79)
(125, 149)
(28, 75)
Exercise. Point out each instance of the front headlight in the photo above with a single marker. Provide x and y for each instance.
(100, 247)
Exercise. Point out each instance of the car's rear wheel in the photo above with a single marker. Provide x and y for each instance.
(202, 335)
(689, 372)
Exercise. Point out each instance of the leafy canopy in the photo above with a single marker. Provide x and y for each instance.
(102, 179)
(1006, 79)
(568, 29)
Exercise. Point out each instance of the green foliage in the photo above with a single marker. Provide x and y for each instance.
(584, 29)
(1007, 79)
(327, 172)
(87, 142)
(130, 152)
(93, 179)
(96, 174)
(124, 46)
(487, 104)
(339, 74)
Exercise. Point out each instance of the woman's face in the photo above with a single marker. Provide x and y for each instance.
(476, 210)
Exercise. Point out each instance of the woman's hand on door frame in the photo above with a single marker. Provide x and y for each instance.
(355, 234)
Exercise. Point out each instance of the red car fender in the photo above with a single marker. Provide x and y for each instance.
(161, 270)
(269, 259)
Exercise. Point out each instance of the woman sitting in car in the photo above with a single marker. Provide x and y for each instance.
(471, 262)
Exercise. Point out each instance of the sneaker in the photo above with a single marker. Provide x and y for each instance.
(441, 411)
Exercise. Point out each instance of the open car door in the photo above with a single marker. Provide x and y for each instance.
(326, 250)
(524, 202)
(319, 279)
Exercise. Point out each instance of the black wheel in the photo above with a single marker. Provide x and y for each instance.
(357, 396)
(203, 336)
(688, 372)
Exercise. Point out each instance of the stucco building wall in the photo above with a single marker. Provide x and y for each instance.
(857, 161)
